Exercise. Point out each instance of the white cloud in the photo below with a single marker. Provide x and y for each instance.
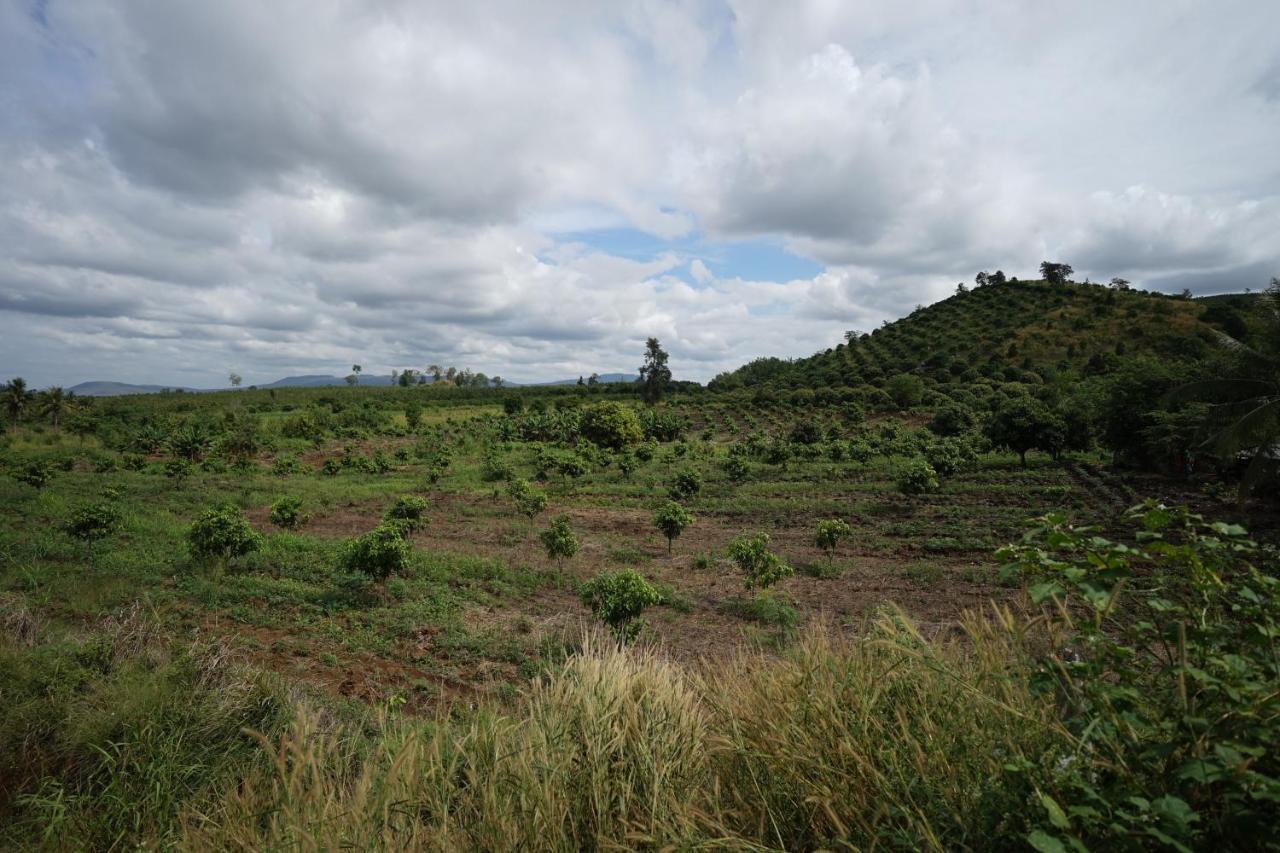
(294, 186)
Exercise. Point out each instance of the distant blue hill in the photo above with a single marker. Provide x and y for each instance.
(314, 380)
(113, 389)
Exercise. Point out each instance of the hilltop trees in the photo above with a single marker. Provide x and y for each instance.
(1055, 273)
(654, 373)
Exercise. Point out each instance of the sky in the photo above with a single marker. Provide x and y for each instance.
(531, 190)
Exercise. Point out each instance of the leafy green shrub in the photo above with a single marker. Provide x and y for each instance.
(34, 474)
(949, 456)
(377, 554)
(331, 467)
(572, 465)
(953, 419)
(737, 468)
(612, 425)
(916, 477)
(177, 469)
(409, 511)
(94, 521)
(685, 485)
(222, 533)
(627, 463)
(287, 513)
(760, 566)
(672, 519)
(805, 432)
(285, 464)
(1165, 669)
(645, 452)
(618, 600)
(830, 533)
(559, 541)
(773, 609)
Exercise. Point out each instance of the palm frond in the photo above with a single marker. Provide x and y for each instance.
(1259, 427)
(1219, 390)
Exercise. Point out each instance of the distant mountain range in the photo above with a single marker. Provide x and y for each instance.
(112, 389)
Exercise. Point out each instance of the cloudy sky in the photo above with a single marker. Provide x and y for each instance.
(531, 189)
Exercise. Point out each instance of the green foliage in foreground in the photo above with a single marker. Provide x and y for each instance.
(1165, 666)
(618, 600)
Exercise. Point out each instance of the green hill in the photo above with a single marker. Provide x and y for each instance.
(1005, 331)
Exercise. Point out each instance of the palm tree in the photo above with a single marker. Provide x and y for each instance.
(16, 399)
(1247, 410)
(54, 403)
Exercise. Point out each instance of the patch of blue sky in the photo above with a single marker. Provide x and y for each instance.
(756, 259)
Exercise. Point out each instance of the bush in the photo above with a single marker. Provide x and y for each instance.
(916, 477)
(949, 456)
(222, 533)
(760, 566)
(805, 432)
(672, 519)
(685, 485)
(905, 390)
(612, 425)
(377, 554)
(512, 404)
(95, 521)
(34, 474)
(952, 420)
(287, 513)
(559, 541)
(829, 535)
(409, 511)
(1165, 670)
(618, 600)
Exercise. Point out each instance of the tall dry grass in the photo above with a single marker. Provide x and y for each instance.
(885, 740)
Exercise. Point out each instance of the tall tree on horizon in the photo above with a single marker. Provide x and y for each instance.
(16, 399)
(654, 373)
(54, 403)
(355, 371)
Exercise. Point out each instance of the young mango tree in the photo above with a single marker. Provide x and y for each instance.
(559, 541)
(672, 519)
(830, 533)
(761, 567)
(222, 534)
(378, 554)
(618, 600)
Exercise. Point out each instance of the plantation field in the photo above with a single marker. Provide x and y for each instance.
(481, 608)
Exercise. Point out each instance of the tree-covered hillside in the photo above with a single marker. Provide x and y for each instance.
(1007, 331)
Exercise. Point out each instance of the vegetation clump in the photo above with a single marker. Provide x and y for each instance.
(618, 600)
(222, 533)
(559, 541)
(672, 519)
(287, 512)
(94, 521)
(917, 477)
(761, 568)
(377, 554)
(408, 511)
